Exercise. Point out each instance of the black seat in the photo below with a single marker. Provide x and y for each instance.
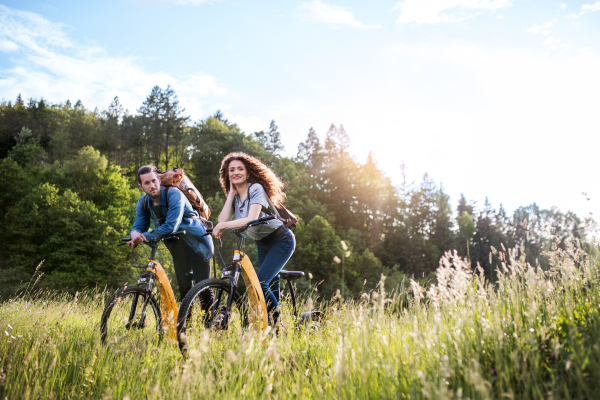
(291, 275)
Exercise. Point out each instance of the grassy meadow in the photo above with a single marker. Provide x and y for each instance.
(531, 334)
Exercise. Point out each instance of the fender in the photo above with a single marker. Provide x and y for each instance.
(258, 307)
(168, 303)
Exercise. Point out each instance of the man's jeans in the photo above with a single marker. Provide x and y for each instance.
(184, 260)
(272, 257)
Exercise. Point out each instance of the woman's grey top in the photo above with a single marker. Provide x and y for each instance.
(256, 195)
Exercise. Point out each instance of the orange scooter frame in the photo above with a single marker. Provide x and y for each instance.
(168, 304)
(257, 315)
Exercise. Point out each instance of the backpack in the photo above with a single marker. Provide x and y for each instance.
(284, 215)
(176, 177)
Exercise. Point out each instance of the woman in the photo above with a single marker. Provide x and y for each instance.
(249, 185)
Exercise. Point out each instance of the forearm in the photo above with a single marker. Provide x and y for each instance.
(227, 211)
(236, 223)
(253, 214)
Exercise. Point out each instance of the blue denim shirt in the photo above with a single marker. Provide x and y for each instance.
(179, 215)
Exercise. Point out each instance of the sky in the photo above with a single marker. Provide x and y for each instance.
(490, 98)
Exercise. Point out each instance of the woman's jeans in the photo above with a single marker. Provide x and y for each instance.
(272, 257)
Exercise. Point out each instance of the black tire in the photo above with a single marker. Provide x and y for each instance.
(191, 323)
(115, 317)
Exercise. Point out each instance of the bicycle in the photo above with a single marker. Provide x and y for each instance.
(225, 297)
(121, 310)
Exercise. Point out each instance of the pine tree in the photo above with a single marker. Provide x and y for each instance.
(19, 101)
(113, 117)
(274, 139)
(311, 154)
(174, 121)
(443, 237)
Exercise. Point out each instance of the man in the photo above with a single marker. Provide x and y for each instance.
(172, 211)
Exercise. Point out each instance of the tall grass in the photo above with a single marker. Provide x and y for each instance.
(532, 334)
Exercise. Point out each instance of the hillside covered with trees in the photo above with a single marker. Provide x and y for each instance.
(68, 194)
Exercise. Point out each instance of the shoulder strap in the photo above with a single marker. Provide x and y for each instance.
(273, 209)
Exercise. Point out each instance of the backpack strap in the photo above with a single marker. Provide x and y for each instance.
(147, 200)
(273, 210)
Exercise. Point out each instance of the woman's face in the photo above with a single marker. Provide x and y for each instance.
(237, 172)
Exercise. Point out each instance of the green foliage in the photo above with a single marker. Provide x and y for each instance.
(466, 229)
(72, 224)
(28, 150)
(364, 272)
(163, 126)
(75, 239)
(318, 245)
(89, 175)
(270, 141)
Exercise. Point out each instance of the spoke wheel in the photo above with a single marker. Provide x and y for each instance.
(205, 307)
(116, 317)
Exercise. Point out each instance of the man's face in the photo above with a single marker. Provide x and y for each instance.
(150, 184)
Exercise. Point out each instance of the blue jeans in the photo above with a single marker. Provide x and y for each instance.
(272, 257)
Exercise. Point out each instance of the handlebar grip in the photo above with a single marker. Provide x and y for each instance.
(125, 239)
(122, 244)
(181, 232)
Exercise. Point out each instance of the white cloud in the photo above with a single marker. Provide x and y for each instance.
(563, 6)
(544, 29)
(553, 43)
(585, 8)
(436, 11)
(327, 14)
(49, 64)
(550, 42)
(15, 27)
(7, 45)
(591, 7)
(248, 124)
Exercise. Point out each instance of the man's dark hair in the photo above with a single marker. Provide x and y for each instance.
(146, 169)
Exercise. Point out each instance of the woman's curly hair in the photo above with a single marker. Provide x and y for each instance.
(258, 172)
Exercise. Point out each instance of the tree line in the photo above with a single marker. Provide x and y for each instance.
(69, 194)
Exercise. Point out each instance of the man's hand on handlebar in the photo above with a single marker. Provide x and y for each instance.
(136, 238)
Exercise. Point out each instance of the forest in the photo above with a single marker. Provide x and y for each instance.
(69, 191)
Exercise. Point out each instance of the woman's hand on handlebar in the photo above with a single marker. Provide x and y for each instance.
(136, 238)
(216, 231)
